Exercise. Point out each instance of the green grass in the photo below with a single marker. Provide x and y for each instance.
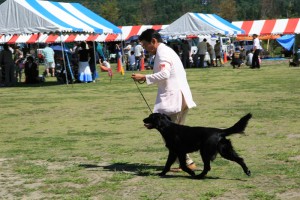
(87, 141)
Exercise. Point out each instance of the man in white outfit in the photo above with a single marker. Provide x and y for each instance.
(174, 97)
(256, 48)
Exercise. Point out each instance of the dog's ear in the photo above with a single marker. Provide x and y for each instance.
(162, 121)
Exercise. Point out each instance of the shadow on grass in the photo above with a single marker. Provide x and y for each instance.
(136, 168)
(149, 170)
(44, 84)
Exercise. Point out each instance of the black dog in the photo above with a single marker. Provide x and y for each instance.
(181, 140)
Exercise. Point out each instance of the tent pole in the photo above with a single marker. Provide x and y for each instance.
(122, 48)
(95, 62)
(294, 45)
(37, 55)
(268, 44)
(63, 56)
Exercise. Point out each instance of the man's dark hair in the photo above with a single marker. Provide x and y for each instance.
(90, 43)
(83, 45)
(149, 34)
(5, 46)
(30, 58)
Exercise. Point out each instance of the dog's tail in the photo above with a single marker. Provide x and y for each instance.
(238, 127)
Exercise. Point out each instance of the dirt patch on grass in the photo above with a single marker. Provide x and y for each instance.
(295, 158)
(239, 195)
(9, 182)
(292, 136)
(290, 195)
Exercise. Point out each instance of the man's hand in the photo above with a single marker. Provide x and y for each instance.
(138, 77)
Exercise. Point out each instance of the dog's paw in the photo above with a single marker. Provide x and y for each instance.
(248, 172)
(200, 176)
(161, 174)
(192, 174)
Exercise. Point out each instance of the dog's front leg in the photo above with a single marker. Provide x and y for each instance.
(171, 159)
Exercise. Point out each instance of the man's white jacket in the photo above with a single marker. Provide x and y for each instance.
(170, 76)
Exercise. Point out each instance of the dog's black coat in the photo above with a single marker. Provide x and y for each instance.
(181, 140)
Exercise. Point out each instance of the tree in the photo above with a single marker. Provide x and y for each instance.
(267, 9)
(286, 8)
(146, 12)
(248, 10)
(225, 9)
(110, 11)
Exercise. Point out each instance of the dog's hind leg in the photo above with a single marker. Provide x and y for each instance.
(171, 159)
(206, 161)
(226, 150)
(183, 166)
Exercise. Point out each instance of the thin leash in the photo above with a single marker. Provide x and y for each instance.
(143, 96)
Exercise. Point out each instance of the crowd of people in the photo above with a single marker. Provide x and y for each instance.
(251, 57)
(14, 63)
(86, 55)
(212, 55)
(133, 54)
(82, 58)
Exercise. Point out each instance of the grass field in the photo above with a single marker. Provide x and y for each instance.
(87, 141)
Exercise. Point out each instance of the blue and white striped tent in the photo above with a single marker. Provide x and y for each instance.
(37, 16)
(201, 24)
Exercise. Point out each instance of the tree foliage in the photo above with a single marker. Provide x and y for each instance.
(226, 9)
(134, 12)
(111, 10)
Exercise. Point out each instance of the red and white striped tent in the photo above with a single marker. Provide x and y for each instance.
(270, 27)
(44, 38)
(127, 32)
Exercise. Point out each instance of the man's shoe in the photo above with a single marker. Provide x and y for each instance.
(192, 166)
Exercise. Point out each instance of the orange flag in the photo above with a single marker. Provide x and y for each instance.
(122, 71)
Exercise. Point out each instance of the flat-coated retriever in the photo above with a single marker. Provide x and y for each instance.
(181, 140)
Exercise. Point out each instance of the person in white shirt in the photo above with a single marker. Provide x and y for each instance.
(249, 58)
(131, 61)
(127, 51)
(256, 48)
(138, 53)
(48, 54)
(174, 97)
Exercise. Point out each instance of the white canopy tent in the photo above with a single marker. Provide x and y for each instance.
(36, 16)
(200, 24)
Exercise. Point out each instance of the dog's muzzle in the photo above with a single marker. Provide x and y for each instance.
(147, 123)
(148, 126)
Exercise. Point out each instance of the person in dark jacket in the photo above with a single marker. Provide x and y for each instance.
(31, 71)
(8, 66)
